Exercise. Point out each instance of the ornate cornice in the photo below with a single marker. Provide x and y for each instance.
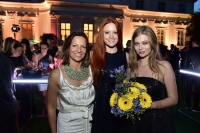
(157, 17)
(24, 7)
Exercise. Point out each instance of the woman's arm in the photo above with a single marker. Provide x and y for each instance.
(127, 59)
(51, 65)
(52, 92)
(51, 59)
(170, 83)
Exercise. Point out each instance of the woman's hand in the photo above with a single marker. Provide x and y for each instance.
(19, 68)
(51, 65)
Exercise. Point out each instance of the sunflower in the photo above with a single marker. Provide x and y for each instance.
(133, 93)
(113, 99)
(145, 100)
(138, 85)
(125, 103)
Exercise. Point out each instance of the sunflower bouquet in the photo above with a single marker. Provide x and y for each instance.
(129, 99)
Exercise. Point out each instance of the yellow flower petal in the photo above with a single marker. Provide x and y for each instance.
(125, 103)
(145, 100)
(113, 99)
(133, 93)
(138, 85)
(124, 81)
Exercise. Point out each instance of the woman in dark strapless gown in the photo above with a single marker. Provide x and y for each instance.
(148, 68)
(155, 120)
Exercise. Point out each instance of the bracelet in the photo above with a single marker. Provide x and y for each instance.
(158, 104)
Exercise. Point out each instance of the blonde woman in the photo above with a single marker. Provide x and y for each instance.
(157, 75)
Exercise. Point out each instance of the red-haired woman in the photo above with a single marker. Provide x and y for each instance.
(107, 55)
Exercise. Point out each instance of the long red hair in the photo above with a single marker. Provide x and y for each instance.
(98, 61)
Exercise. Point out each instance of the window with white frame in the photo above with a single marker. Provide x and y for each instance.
(89, 31)
(161, 35)
(139, 4)
(65, 30)
(180, 37)
(27, 31)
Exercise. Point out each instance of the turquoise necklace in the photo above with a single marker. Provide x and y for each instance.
(76, 75)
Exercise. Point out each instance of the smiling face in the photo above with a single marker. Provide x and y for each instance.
(77, 49)
(142, 45)
(110, 35)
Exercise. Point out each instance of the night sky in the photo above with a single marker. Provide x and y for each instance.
(197, 6)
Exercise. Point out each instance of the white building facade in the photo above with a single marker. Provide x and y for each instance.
(168, 18)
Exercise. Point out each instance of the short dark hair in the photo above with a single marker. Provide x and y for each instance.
(16, 45)
(44, 43)
(67, 44)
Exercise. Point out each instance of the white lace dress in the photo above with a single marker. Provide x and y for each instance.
(75, 106)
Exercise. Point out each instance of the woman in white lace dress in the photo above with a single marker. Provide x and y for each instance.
(70, 89)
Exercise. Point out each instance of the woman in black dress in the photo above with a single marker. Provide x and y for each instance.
(158, 76)
(17, 60)
(107, 55)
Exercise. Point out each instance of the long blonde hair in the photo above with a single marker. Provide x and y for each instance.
(154, 55)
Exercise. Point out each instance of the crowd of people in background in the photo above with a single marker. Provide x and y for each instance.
(22, 56)
(106, 54)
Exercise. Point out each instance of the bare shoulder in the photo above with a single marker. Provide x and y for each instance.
(54, 75)
(165, 67)
(164, 63)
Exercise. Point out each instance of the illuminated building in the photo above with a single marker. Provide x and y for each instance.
(169, 19)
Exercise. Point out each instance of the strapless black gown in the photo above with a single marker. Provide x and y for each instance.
(154, 120)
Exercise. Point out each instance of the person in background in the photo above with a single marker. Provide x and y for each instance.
(8, 102)
(52, 48)
(174, 57)
(8, 46)
(128, 46)
(45, 62)
(148, 68)
(164, 52)
(36, 49)
(182, 52)
(27, 54)
(17, 60)
(192, 61)
(107, 55)
(59, 54)
(70, 88)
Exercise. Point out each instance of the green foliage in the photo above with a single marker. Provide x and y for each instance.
(120, 77)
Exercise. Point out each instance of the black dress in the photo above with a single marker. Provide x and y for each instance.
(154, 120)
(18, 62)
(103, 120)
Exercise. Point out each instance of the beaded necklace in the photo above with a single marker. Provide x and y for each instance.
(76, 75)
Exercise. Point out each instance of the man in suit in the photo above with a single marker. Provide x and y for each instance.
(174, 57)
(192, 61)
(8, 103)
